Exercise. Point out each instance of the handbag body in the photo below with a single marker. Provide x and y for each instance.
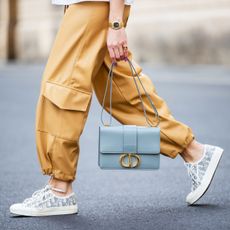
(128, 146)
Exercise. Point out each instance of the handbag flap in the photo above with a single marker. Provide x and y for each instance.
(129, 139)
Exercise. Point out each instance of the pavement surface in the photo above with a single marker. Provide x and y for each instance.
(198, 96)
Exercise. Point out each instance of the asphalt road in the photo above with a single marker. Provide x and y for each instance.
(198, 96)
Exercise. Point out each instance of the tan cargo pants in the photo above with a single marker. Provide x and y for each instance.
(78, 65)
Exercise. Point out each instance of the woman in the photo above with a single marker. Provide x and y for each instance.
(92, 35)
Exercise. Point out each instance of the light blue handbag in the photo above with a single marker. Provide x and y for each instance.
(128, 146)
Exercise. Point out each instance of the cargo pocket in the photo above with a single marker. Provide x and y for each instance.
(63, 110)
(65, 97)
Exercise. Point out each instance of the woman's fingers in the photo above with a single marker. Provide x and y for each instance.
(121, 51)
(111, 53)
(116, 52)
(117, 44)
(125, 49)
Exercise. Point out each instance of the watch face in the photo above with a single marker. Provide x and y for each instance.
(116, 24)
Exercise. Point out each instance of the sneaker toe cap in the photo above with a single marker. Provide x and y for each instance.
(15, 208)
(190, 198)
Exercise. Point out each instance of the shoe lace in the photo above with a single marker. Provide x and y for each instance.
(37, 194)
(192, 170)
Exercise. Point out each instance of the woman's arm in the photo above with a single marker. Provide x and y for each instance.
(116, 39)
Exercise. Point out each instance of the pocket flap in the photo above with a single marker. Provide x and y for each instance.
(65, 97)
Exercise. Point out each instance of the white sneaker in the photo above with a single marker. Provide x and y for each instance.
(44, 202)
(202, 172)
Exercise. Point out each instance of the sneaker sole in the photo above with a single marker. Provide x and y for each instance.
(201, 190)
(45, 211)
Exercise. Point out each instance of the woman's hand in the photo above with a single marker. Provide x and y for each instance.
(117, 44)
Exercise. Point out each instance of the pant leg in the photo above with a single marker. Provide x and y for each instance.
(66, 87)
(127, 109)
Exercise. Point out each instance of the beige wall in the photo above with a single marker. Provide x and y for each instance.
(162, 32)
(3, 28)
(37, 25)
(181, 31)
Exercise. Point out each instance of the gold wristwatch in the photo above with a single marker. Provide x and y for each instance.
(116, 25)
